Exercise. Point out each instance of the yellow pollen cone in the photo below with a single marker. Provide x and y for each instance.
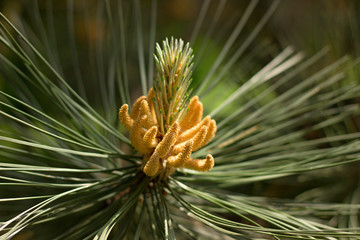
(124, 117)
(192, 106)
(149, 138)
(199, 138)
(210, 133)
(202, 165)
(179, 160)
(136, 136)
(135, 110)
(153, 166)
(170, 137)
(145, 110)
(186, 135)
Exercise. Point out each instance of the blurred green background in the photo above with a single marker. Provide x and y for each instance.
(307, 25)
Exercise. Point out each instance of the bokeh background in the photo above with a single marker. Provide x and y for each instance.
(307, 25)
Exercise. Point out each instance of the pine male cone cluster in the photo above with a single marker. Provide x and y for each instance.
(164, 153)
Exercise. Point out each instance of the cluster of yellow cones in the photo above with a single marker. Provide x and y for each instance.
(164, 153)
